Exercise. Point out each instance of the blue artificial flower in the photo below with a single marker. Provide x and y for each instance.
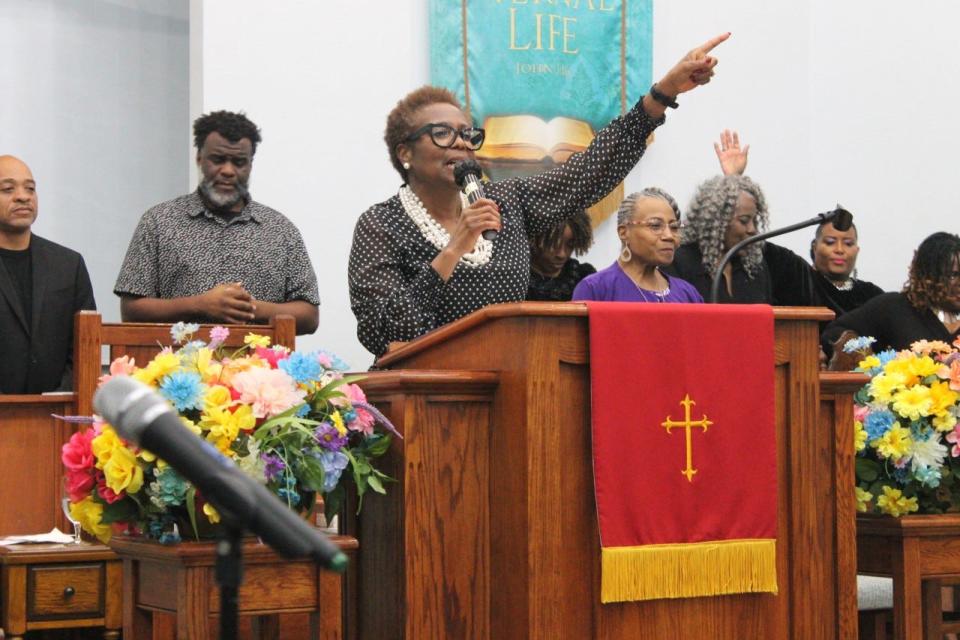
(886, 356)
(182, 331)
(168, 489)
(858, 344)
(183, 389)
(928, 476)
(878, 423)
(331, 361)
(303, 410)
(290, 496)
(334, 462)
(302, 367)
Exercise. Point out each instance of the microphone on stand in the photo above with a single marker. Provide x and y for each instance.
(839, 217)
(467, 174)
(142, 416)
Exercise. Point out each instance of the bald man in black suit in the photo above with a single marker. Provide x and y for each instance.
(42, 285)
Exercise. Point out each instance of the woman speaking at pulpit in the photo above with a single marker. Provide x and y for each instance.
(420, 260)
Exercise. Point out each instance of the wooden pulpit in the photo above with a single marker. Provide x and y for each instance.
(491, 529)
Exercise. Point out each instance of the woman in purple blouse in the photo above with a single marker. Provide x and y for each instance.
(648, 223)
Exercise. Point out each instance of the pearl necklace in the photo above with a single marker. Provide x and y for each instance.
(436, 235)
(846, 285)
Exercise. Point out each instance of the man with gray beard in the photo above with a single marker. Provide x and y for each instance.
(215, 255)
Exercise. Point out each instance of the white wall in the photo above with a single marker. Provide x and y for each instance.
(849, 102)
(95, 101)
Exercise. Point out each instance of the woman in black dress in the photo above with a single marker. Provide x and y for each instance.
(928, 308)
(834, 254)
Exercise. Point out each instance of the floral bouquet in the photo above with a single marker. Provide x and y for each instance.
(907, 436)
(290, 420)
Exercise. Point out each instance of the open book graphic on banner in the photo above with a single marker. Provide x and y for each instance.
(541, 78)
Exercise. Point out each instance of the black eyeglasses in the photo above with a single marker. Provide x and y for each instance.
(445, 136)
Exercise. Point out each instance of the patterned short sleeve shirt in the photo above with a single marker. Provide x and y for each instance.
(180, 248)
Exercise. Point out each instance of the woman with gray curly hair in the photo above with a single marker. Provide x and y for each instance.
(648, 223)
(725, 210)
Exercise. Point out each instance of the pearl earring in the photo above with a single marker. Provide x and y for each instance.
(406, 166)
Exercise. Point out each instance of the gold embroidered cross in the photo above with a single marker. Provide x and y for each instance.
(687, 425)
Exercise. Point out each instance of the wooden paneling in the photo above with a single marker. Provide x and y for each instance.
(30, 476)
(543, 571)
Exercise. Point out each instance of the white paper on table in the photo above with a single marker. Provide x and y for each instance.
(55, 536)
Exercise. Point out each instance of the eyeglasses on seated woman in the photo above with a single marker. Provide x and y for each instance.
(649, 227)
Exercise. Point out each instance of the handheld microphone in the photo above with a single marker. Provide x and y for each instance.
(142, 416)
(839, 217)
(467, 175)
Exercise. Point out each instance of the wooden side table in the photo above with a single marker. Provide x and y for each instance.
(59, 586)
(179, 580)
(919, 552)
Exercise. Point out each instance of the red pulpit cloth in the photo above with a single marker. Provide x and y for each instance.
(684, 449)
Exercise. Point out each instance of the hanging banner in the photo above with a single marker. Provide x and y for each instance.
(541, 76)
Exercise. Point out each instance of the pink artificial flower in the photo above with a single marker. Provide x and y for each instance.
(79, 484)
(267, 391)
(860, 412)
(954, 437)
(122, 366)
(77, 453)
(106, 492)
(325, 361)
(363, 421)
(218, 335)
(272, 355)
(951, 373)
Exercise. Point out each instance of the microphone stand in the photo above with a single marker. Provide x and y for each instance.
(229, 574)
(841, 216)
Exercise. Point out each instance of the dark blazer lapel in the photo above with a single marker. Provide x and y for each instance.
(6, 288)
(39, 264)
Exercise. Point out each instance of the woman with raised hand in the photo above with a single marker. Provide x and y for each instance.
(833, 252)
(418, 259)
(648, 223)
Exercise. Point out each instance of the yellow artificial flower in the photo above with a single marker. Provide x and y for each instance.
(237, 365)
(884, 385)
(105, 444)
(913, 403)
(122, 473)
(164, 363)
(870, 362)
(337, 420)
(256, 340)
(859, 436)
(863, 500)
(893, 502)
(88, 513)
(945, 422)
(191, 425)
(211, 513)
(223, 426)
(208, 368)
(942, 397)
(217, 397)
(894, 444)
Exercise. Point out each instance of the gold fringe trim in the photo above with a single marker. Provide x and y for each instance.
(657, 571)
